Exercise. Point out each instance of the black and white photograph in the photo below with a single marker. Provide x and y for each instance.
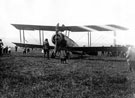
(67, 49)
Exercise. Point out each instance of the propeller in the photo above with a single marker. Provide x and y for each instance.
(57, 28)
(58, 38)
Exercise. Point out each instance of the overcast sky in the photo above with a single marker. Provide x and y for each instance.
(68, 12)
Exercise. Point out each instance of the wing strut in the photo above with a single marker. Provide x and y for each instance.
(23, 37)
(67, 33)
(114, 38)
(20, 37)
(89, 39)
(40, 36)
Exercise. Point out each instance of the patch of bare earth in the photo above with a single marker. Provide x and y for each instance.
(32, 76)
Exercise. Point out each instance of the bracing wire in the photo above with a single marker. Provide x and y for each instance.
(81, 37)
(35, 39)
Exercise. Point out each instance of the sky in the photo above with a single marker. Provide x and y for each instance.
(68, 12)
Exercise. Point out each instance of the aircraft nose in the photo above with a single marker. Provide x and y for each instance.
(57, 38)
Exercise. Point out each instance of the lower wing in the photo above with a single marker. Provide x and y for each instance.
(95, 49)
(30, 45)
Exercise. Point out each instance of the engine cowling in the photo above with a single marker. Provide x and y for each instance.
(57, 38)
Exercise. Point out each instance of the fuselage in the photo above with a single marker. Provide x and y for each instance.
(60, 40)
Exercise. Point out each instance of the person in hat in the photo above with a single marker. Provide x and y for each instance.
(46, 48)
(1, 47)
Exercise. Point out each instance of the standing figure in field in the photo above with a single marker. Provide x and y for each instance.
(1, 47)
(46, 48)
(16, 48)
(24, 51)
(28, 50)
(9, 50)
(131, 58)
(6, 50)
(63, 56)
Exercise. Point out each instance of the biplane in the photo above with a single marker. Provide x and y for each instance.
(61, 40)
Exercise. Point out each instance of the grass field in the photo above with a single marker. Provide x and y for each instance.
(32, 76)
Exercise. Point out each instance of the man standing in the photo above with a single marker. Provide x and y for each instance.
(131, 58)
(1, 47)
(16, 48)
(46, 48)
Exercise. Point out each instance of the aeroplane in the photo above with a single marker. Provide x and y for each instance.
(63, 41)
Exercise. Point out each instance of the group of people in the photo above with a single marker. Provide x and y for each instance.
(46, 49)
(26, 50)
(130, 55)
(3, 49)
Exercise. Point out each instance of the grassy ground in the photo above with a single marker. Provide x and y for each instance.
(32, 76)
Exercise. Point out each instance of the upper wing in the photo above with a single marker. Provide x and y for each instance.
(30, 45)
(87, 28)
(49, 28)
(34, 27)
